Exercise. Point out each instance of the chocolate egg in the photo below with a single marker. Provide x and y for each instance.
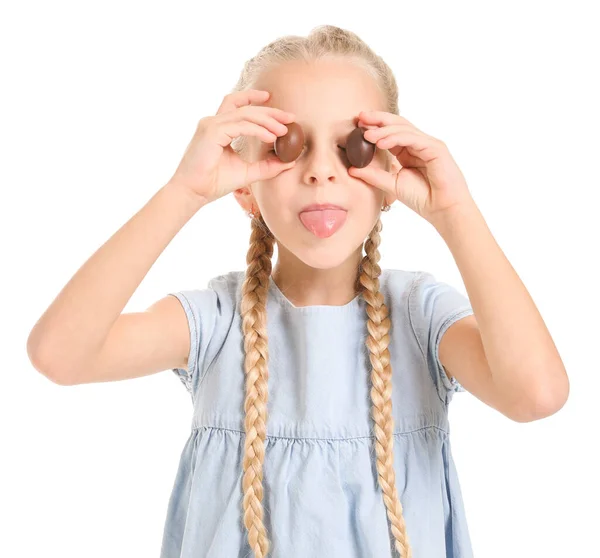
(358, 150)
(289, 146)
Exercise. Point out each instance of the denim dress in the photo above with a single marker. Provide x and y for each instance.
(321, 495)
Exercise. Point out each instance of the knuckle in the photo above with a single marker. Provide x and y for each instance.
(204, 123)
(210, 127)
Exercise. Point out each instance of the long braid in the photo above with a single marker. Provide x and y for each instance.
(377, 342)
(254, 324)
(322, 41)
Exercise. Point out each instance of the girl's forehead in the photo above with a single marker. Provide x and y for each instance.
(330, 93)
(318, 113)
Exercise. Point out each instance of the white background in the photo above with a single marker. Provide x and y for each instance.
(99, 101)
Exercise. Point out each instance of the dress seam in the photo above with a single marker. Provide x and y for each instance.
(410, 316)
(303, 438)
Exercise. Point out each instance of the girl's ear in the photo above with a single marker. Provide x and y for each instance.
(245, 198)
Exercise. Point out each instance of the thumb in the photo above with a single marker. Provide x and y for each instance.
(377, 177)
(267, 168)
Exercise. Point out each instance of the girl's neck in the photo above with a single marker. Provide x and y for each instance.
(303, 285)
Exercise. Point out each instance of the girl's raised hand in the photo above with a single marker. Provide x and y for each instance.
(210, 167)
(429, 182)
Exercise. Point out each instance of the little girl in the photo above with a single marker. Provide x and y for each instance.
(321, 386)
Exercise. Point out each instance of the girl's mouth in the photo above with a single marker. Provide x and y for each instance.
(323, 222)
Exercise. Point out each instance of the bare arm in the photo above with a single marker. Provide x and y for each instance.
(72, 332)
(84, 336)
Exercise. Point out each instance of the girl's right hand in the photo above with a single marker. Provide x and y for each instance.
(210, 168)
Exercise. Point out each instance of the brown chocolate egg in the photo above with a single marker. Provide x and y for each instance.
(358, 150)
(289, 146)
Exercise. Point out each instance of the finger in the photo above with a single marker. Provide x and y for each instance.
(396, 148)
(241, 98)
(271, 121)
(376, 134)
(229, 131)
(382, 118)
(265, 169)
(406, 159)
(417, 145)
(376, 176)
(274, 112)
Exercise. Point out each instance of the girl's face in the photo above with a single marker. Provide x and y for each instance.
(326, 98)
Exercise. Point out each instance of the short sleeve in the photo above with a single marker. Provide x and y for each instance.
(201, 308)
(434, 306)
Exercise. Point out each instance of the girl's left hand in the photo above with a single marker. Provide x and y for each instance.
(429, 182)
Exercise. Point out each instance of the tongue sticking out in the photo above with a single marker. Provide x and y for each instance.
(323, 222)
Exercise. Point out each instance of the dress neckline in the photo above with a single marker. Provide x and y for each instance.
(286, 303)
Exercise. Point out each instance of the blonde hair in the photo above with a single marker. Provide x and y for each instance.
(323, 41)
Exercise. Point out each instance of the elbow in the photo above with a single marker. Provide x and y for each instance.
(545, 403)
(43, 366)
(60, 380)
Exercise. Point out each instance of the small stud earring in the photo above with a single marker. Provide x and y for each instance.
(386, 207)
(251, 213)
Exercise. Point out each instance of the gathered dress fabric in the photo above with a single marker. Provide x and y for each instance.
(321, 495)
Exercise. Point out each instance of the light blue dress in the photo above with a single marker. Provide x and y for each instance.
(321, 494)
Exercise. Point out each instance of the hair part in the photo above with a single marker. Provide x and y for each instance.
(324, 41)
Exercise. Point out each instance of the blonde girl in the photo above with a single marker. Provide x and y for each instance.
(320, 385)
